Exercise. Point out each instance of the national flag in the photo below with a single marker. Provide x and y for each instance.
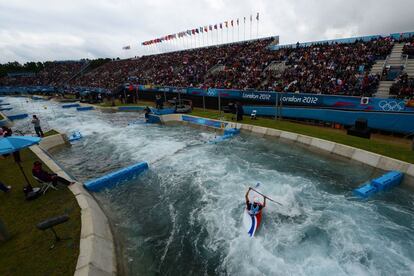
(189, 32)
(193, 31)
(210, 28)
(221, 26)
(197, 31)
(245, 20)
(201, 29)
(215, 27)
(128, 47)
(226, 24)
(257, 17)
(205, 29)
(231, 22)
(237, 22)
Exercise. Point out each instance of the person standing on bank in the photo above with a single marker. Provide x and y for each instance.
(36, 123)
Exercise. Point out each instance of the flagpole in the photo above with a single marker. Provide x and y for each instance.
(227, 29)
(238, 31)
(232, 34)
(251, 22)
(244, 29)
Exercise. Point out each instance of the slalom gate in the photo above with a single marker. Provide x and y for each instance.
(116, 177)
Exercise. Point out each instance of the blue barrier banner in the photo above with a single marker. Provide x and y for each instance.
(295, 99)
(196, 91)
(269, 97)
(204, 122)
(394, 122)
(301, 99)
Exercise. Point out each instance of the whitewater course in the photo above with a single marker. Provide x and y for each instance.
(184, 215)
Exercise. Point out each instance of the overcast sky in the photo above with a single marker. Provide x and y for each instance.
(33, 30)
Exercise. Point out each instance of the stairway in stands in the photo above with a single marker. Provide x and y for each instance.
(409, 68)
(394, 59)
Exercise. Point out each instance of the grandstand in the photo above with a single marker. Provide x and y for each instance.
(364, 66)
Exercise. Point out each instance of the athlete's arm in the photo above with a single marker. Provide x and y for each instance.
(247, 195)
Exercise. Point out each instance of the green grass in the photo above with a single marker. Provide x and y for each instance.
(389, 146)
(27, 251)
(50, 133)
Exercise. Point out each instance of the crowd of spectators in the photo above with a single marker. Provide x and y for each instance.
(319, 68)
(109, 75)
(53, 74)
(408, 48)
(403, 87)
(332, 68)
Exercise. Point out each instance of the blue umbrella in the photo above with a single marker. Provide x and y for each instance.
(15, 143)
(12, 144)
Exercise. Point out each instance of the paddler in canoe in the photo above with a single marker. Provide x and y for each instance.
(256, 206)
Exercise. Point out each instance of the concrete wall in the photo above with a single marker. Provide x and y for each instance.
(363, 156)
(5, 121)
(96, 250)
(53, 141)
(170, 118)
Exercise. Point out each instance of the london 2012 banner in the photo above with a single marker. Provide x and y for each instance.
(296, 99)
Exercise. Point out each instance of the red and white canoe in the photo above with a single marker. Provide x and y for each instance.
(251, 222)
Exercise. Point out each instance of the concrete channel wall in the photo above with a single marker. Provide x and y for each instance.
(96, 250)
(369, 158)
(53, 141)
(5, 121)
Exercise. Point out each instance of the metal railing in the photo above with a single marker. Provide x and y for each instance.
(384, 64)
(405, 62)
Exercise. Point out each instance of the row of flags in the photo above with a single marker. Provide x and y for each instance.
(205, 29)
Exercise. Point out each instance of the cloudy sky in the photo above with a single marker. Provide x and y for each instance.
(32, 30)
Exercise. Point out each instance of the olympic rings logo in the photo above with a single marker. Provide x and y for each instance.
(211, 93)
(391, 105)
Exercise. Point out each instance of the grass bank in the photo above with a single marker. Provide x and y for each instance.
(27, 252)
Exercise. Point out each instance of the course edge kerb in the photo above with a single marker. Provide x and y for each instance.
(96, 247)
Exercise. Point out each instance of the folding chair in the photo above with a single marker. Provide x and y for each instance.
(44, 185)
(253, 115)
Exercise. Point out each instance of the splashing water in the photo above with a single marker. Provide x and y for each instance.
(183, 216)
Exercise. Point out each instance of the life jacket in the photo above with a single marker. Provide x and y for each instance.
(254, 210)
